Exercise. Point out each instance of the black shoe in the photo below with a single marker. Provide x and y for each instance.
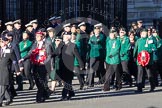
(69, 97)
(13, 95)
(60, 84)
(40, 100)
(118, 87)
(8, 103)
(19, 89)
(152, 89)
(138, 91)
(51, 92)
(107, 89)
(160, 84)
(63, 99)
(81, 87)
(0, 104)
(31, 86)
(48, 94)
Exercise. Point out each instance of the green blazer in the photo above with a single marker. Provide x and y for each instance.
(147, 45)
(113, 51)
(24, 47)
(125, 46)
(97, 46)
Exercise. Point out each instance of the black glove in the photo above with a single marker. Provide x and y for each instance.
(110, 56)
(93, 42)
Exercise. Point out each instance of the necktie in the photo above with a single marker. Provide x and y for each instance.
(1, 52)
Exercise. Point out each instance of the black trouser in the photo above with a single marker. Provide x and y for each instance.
(94, 63)
(67, 89)
(12, 90)
(132, 66)
(4, 93)
(19, 79)
(40, 74)
(155, 71)
(159, 68)
(149, 72)
(84, 62)
(101, 71)
(126, 75)
(80, 75)
(110, 69)
(27, 71)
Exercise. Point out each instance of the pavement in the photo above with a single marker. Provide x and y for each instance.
(92, 98)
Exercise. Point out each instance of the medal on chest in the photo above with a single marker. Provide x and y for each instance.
(123, 41)
(114, 45)
(146, 44)
(25, 44)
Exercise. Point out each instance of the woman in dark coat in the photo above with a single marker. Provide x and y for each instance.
(67, 52)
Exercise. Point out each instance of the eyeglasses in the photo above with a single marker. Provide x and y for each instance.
(57, 40)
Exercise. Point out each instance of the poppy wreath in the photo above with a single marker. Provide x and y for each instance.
(143, 58)
(38, 56)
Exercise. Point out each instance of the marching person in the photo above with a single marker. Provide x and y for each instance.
(7, 54)
(132, 66)
(97, 47)
(77, 71)
(15, 47)
(124, 55)
(144, 44)
(53, 74)
(83, 38)
(155, 33)
(25, 47)
(40, 68)
(155, 56)
(112, 61)
(67, 51)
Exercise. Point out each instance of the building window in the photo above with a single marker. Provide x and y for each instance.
(11, 9)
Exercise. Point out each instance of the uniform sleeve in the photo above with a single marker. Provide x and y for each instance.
(14, 61)
(127, 43)
(17, 51)
(135, 50)
(49, 54)
(30, 52)
(57, 50)
(76, 54)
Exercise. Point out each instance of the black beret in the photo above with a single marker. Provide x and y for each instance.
(144, 30)
(4, 38)
(42, 30)
(58, 37)
(10, 34)
(67, 33)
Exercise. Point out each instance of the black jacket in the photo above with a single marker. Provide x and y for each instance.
(7, 58)
(68, 52)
